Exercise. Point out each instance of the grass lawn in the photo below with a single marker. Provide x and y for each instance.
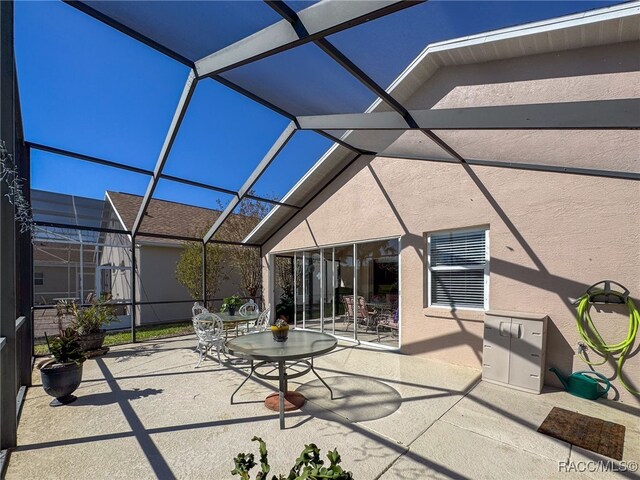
(142, 334)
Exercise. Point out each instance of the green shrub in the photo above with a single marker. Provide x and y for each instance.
(308, 465)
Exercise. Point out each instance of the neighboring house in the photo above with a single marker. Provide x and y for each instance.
(72, 264)
(467, 239)
(156, 258)
(64, 260)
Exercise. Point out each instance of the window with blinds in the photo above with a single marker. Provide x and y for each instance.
(458, 264)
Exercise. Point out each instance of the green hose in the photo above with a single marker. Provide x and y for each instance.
(593, 339)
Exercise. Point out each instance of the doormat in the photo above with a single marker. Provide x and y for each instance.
(590, 433)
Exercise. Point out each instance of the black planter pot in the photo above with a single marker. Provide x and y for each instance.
(232, 310)
(92, 341)
(60, 380)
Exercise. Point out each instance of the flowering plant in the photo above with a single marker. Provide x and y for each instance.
(280, 324)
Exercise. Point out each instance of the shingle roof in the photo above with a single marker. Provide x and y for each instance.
(163, 217)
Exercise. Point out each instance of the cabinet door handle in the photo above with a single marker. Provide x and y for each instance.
(518, 330)
(501, 329)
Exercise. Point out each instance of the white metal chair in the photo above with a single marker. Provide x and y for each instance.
(262, 322)
(197, 309)
(210, 332)
(249, 308)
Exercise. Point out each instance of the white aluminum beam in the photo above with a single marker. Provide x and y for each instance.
(279, 144)
(178, 116)
(319, 20)
(589, 115)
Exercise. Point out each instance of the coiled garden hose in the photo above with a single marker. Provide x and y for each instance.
(593, 339)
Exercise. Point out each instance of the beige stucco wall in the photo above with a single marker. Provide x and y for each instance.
(551, 235)
(157, 282)
(59, 281)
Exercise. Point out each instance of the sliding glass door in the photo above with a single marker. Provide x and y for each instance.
(378, 291)
(350, 291)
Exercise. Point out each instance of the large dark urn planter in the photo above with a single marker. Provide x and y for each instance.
(92, 341)
(60, 380)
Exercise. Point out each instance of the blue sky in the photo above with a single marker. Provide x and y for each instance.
(86, 87)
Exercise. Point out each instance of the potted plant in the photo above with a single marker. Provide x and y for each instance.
(284, 309)
(231, 303)
(62, 374)
(89, 323)
(280, 330)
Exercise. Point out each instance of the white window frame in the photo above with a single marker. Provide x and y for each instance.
(459, 268)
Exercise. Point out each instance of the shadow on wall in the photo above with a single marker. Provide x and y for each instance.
(537, 276)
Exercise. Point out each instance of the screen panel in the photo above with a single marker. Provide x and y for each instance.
(85, 87)
(71, 191)
(303, 81)
(383, 48)
(291, 164)
(182, 210)
(223, 137)
(193, 29)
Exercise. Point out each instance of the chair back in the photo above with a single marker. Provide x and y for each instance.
(362, 310)
(263, 320)
(197, 309)
(208, 326)
(348, 305)
(249, 308)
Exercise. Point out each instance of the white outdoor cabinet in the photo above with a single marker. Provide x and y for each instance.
(513, 352)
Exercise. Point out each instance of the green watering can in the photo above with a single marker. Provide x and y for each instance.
(582, 385)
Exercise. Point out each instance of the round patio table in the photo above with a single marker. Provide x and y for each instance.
(300, 348)
(233, 321)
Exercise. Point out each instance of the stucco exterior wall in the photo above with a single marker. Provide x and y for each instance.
(552, 235)
(59, 281)
(157, 282)
(156, 268)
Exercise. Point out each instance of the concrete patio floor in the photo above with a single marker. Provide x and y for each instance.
(143, 411)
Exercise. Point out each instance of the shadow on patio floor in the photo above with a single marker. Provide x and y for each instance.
(356, 398)
(107, 398)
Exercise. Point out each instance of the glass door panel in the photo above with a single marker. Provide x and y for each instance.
(284, 287)
(377, 276)
(329, 280)
(312, 290)
(298, 291)
(343, 289)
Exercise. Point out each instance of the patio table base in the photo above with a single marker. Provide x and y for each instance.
(291, 359)
(292, 401)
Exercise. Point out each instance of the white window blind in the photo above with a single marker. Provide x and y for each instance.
(458, 269)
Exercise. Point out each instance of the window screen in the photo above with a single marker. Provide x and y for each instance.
(458, 269)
